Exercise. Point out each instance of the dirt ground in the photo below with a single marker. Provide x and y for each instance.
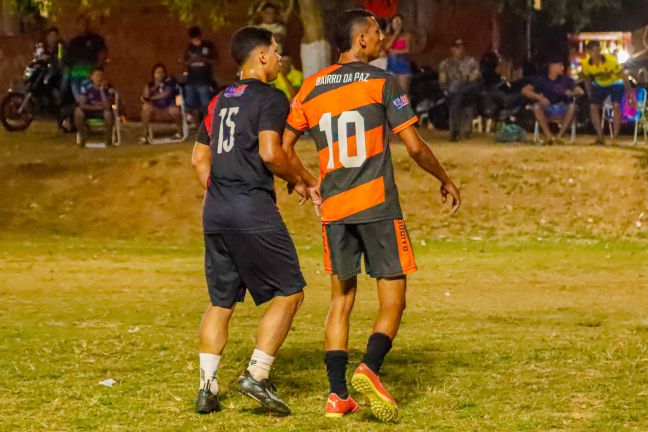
(48, 186)
(528, 312)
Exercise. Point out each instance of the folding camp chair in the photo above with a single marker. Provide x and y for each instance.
(184, 133)
(96, 126)
(636, 116)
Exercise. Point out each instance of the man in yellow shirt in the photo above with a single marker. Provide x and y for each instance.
(289, 79)
(604, 77)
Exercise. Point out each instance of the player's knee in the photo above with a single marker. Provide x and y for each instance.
(396, 304)
(341, 306)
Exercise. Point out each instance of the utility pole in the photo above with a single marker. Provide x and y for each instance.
(529, 19)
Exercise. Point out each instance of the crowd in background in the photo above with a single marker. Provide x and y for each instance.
(460, 78)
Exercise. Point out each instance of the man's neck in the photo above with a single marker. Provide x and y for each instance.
(554, 77)
(353, 56)
(252, 72)
(597, 58)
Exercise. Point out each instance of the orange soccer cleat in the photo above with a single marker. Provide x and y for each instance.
(383, 405)
(337, 407)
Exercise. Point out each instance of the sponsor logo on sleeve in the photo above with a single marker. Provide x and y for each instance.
(401, 101)
(235, 91)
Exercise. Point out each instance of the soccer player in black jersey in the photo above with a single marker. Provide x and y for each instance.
(247, 245)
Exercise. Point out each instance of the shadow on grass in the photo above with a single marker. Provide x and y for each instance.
(407, 373)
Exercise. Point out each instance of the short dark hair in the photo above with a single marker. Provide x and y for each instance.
(593, 44)
(344, 24)
(195, 32)
(268, 5)
(246, 39)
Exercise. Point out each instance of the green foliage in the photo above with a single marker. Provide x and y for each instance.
(211, 13)
(575, 14)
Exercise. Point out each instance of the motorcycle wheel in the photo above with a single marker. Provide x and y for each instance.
(10, 117)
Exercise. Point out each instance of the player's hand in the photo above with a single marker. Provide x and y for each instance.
(316, 197)
(544, 101)
(301, 189)
(307, 193)
(450, 189)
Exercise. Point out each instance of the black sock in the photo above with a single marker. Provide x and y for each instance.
(336, 364)
(377, 348)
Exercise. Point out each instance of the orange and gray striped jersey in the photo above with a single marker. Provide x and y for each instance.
(347, 109)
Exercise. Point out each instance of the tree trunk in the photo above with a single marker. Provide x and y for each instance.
(9, 23)
(315, 50)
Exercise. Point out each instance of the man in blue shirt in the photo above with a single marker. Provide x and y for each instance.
(553, 99)
(96, 99)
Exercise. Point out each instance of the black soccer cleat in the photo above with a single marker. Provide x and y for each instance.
(207, 402)
(263, 392)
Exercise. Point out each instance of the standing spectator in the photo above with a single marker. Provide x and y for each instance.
(398, 44)
(50, 51)
(85, 52)
(290, 79)
(269, 16)
(604, 77)
(553, 96)
(96, 98)
(159, 100)
(198, 58)
(54, 45)
(459, 76)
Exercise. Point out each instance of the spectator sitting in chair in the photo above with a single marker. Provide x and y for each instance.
(96, 101)
(159, 100)
(289, 79)
(459, 77)
(553, 99)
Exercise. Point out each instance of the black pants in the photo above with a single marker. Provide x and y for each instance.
(460, 105)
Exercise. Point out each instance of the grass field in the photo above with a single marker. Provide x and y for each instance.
(529, 312)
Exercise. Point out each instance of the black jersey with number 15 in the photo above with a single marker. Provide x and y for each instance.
(240, 195)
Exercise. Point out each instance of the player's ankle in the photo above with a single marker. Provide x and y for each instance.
(208, 369)
(378, 346)
(260, 365)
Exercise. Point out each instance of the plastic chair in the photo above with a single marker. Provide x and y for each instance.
(556, 121)
(638, 116)
(180, 101)
(97, 126)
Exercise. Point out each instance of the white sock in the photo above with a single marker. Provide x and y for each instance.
(208, 368)
(260, 365)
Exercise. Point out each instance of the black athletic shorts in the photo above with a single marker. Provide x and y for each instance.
(264, 263)
(385, 245)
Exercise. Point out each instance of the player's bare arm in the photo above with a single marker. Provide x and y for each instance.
(276, 159)
(288, 144)
(423, 156)
(312, 184)
(201, 162)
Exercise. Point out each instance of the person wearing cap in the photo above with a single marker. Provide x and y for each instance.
(553, 95)
(459, 77)
(604, 77)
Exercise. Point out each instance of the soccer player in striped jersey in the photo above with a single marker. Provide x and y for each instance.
(347, 108)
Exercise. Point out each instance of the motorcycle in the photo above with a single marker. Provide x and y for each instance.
(41, 94)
